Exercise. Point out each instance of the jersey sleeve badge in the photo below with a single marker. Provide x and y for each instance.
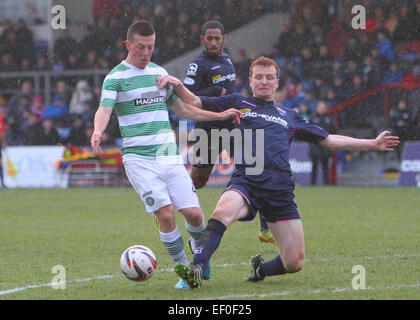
(192, 69)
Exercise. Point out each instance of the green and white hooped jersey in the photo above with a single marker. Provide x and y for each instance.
(141, 110)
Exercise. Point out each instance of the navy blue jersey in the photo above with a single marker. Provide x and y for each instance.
(280, 126)
(206, 76)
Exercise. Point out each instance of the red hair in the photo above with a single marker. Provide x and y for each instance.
(265, 62)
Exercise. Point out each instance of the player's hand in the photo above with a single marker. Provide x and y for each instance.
(231, 113)
(95, 141)
(384, 142)
(162, 81)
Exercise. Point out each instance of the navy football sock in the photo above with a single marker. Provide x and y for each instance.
(209, 242)
(272, 267)
(264, 226)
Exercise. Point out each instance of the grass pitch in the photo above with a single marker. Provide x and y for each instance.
(86, 231)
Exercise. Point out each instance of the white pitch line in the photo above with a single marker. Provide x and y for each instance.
(42, 285)
(397, 255)
(226, 265)
(317, 291)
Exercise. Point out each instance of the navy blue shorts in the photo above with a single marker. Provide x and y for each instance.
(273, 205)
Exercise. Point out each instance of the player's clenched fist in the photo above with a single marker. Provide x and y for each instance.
(167, 79)
(232, 113)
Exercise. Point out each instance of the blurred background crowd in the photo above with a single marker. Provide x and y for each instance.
(323, 61)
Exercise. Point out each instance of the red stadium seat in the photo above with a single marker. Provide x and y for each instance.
(415, 47)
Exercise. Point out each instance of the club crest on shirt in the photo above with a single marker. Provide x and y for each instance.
(192, 69)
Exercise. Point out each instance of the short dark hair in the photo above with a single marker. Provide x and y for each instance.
(141, 27)
(212, 24)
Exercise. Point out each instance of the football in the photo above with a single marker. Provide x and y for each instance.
(138, 263)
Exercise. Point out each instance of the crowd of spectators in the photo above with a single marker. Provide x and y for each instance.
(177, 23)
(102, 46)
(321, 59)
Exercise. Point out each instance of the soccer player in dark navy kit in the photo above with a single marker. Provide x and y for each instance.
(212, 74)
(271, 192)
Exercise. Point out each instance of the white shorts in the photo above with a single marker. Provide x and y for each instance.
(161, 184)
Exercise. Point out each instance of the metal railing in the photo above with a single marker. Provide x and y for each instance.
(386, 90)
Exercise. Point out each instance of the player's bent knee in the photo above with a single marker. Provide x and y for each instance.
(193, 215)
(294, 265)
(164, 220)
(226, 217)
(165, 215)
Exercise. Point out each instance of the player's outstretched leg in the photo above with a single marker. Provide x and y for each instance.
(196, 226)
(171, 238)
(207, 268)
(191, 274)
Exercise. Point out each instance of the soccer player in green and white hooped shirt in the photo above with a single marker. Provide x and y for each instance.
(150, 154)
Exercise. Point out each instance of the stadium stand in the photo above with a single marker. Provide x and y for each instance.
(321, 58)
(102, 46)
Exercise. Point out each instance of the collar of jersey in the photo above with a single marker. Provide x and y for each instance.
(260, 102)
(133, 66)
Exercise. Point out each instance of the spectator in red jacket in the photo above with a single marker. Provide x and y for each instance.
(336, 39)
(105, 9)
(412, 78)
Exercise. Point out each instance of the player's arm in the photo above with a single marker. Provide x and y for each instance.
(186, 95)
(188, 111)
(102, 116)
(314, 134)
(110, 89)
(383, 142)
